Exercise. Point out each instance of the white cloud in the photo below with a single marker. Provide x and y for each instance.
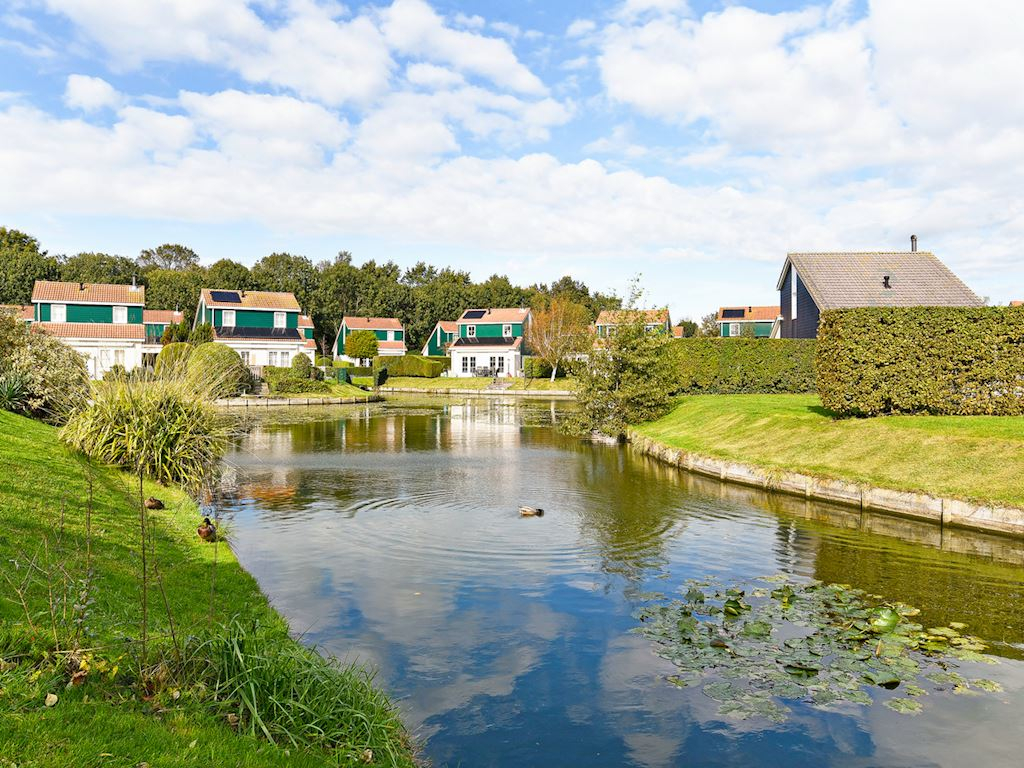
(580, 27)
(90, 93)
(432, 76)
(507, 29)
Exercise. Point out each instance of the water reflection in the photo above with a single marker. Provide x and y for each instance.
(390, 535)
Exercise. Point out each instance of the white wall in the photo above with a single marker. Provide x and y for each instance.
(513, 361)
(259, 351)
(103, 354)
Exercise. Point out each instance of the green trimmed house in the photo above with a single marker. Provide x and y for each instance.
(756, 322)
(654, 320)
(389, 331)
(100, 321)
(489, 342)
(262, 326)
(157, 320)
(440, 339)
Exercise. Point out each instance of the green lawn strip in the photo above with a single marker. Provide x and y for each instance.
(336, 390)
(979, 458)
(478, 382)
(44, 489)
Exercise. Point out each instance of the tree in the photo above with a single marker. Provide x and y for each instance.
(175, 332)
(175, 289)
(289, 273)
(689, 328)
(98, 268)
(229, 275)
(498, 291)
(709, 325)
(361, 345)
(21, 264)
(559, 332)
(201, 334)
(168, 256)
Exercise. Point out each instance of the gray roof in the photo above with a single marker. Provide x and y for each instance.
(843, 280)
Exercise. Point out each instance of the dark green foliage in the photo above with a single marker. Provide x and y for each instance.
(288, 381)
(409, 365)
(357, 370)
(745, 366)
(176, 332)
(168, 256)
(98, 268)
(361, 345)
(535, 368)
(21, 264)
(13, 392)
(201, 334)
(116, 373)
(938, 360)
(172, 359)
(689, 328)
(446, 362)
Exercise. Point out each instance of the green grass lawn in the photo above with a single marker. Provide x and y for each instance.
(475, 382)
(337, 390)
(979, 458)
(44, 501)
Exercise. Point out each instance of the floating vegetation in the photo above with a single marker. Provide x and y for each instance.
(823, 644)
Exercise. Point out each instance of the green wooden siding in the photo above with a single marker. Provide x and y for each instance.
(437, 341)
(249, 318)
(489, 330)
(89, 313)
(761, 330)
(307, 333)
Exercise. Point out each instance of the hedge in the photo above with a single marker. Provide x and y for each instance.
(287, 380)
(712, 365)
(938, 360)
(536, 368)
(446, 362)
(409, 365)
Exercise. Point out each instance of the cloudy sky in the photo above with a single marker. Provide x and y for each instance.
(692, 142)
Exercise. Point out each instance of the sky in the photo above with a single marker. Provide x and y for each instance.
(691, 143)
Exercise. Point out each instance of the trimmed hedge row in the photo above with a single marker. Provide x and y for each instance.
(446, 362)
(712, 365)
(409, 365)
(939, 360)
(289, 380)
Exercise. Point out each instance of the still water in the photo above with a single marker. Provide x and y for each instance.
(390, 535)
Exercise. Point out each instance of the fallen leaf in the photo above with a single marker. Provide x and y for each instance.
(367, 756)
(51, 699)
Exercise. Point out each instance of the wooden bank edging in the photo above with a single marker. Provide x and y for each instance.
(271, 402)
(921, 506)
(553, 394)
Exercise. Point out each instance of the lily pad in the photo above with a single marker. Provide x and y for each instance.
(904, 706)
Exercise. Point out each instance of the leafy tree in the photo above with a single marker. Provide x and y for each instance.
(228, 274)
(444, 297)
(175, 289)
(168, 256)
(176, 332)
(709, 325)
(201, 334)
(336, 296)
(287, 272)
(498, 291)
(689, 328)
(361, 345)
(628, 380)
(21, 264)
(98, 268)
(559, 332)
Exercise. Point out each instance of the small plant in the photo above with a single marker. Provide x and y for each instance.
(13, 392)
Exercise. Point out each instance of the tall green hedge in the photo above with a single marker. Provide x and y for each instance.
(409, 365)
(712, 365)
(940, 360)
(446, 362)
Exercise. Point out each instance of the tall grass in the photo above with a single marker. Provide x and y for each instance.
(290, 695)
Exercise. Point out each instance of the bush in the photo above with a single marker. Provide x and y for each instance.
(536, 368)
(446, 362)
(13, 392)
(939, 360)
(303, 367)
(342, 364)
(409, 365)
(173, 359)
(285, 380)
(217, 366)
(201, 334)
(355, 370)
(361, 345)
(745, 366)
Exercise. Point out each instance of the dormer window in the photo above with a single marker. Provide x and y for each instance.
(506, 330)
(471, 331)
(280, 319)
(58, 313)
(121, 315)
(227, 318)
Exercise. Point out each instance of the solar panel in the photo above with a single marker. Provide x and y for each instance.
(228, 297)
(474, 314)
(732, 313)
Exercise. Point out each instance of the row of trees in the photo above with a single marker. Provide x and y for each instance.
(173, 276)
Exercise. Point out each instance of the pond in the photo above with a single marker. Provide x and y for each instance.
(390, 535)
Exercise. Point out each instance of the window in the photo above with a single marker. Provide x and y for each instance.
(121, 314)
(465, 364)
(792, 294)
(494, 363)
(284, 359)
(244, 354)
(119, 354)
(734, 329)
(280, 320)
(471, 331)
(506, 330)
(501, 364)
(227, 317)
(272, 357)
(58, 313)
(472, 363)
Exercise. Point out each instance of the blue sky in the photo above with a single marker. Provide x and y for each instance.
(692, 143)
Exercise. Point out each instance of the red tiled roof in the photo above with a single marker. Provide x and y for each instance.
(391, 345)
(677, 331)
(95, 293)
(372, 323)
(305, 322)
(616, 316)
(22, 311)
(449, 326)
(1017, 303)
(310, 344)
(253, 300)
(165, 316)
(499, 315)
(127, 331)
(761, 314)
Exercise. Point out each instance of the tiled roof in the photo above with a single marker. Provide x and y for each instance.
(763, 314)
(310, 344)
(497, 342)
(391, 345)
(677, 331)
(164, 316)
(127, 331)
(616, 316)
(449, 326)
(843, 280)
(1017, 303)
(305, 322)
(252, 300)
(96, 293)
(496, 315)
(372, 323)
(22, 311)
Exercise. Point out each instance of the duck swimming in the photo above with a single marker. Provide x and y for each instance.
(207, 531)
(531, 512)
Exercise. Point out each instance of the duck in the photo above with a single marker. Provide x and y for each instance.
(153, 503)
(207, 531)
(531, 512)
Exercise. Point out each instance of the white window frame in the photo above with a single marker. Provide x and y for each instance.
(734, 329)
(120, 315)
(227, 318)
(284, 359)
(280, 319)
(119, 357)
(272, 358)
(244, 354)
(61, 310)
(506, 330)
(792, 293)
(471, 331)
(465, 364)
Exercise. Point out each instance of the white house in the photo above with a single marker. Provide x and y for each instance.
(489, 342)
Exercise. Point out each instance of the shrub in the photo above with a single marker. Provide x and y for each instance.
(939, 360)
(355, 370)
(216, 366)
(116, 372)
(745, 366)
(303, 367)
(13, 392)
(342, 364)
(285, 380)
(536, 368)
(361, 345)
(409, 365)
(201, 334)
(173, 359)
(446, 362)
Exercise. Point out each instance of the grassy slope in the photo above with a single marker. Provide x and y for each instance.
(337, 390)
(479, 383)
(39, 479)
(971, 457)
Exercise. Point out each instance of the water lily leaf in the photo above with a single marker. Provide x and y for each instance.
(694, 595)
(904, 706)
(884, 620)
(987, 685)
(756, 629)
(883, 678)
(958, 625)
(734, 606)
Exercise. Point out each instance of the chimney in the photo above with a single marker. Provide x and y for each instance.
(913, 243)
(135, 285)
(81, 286)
